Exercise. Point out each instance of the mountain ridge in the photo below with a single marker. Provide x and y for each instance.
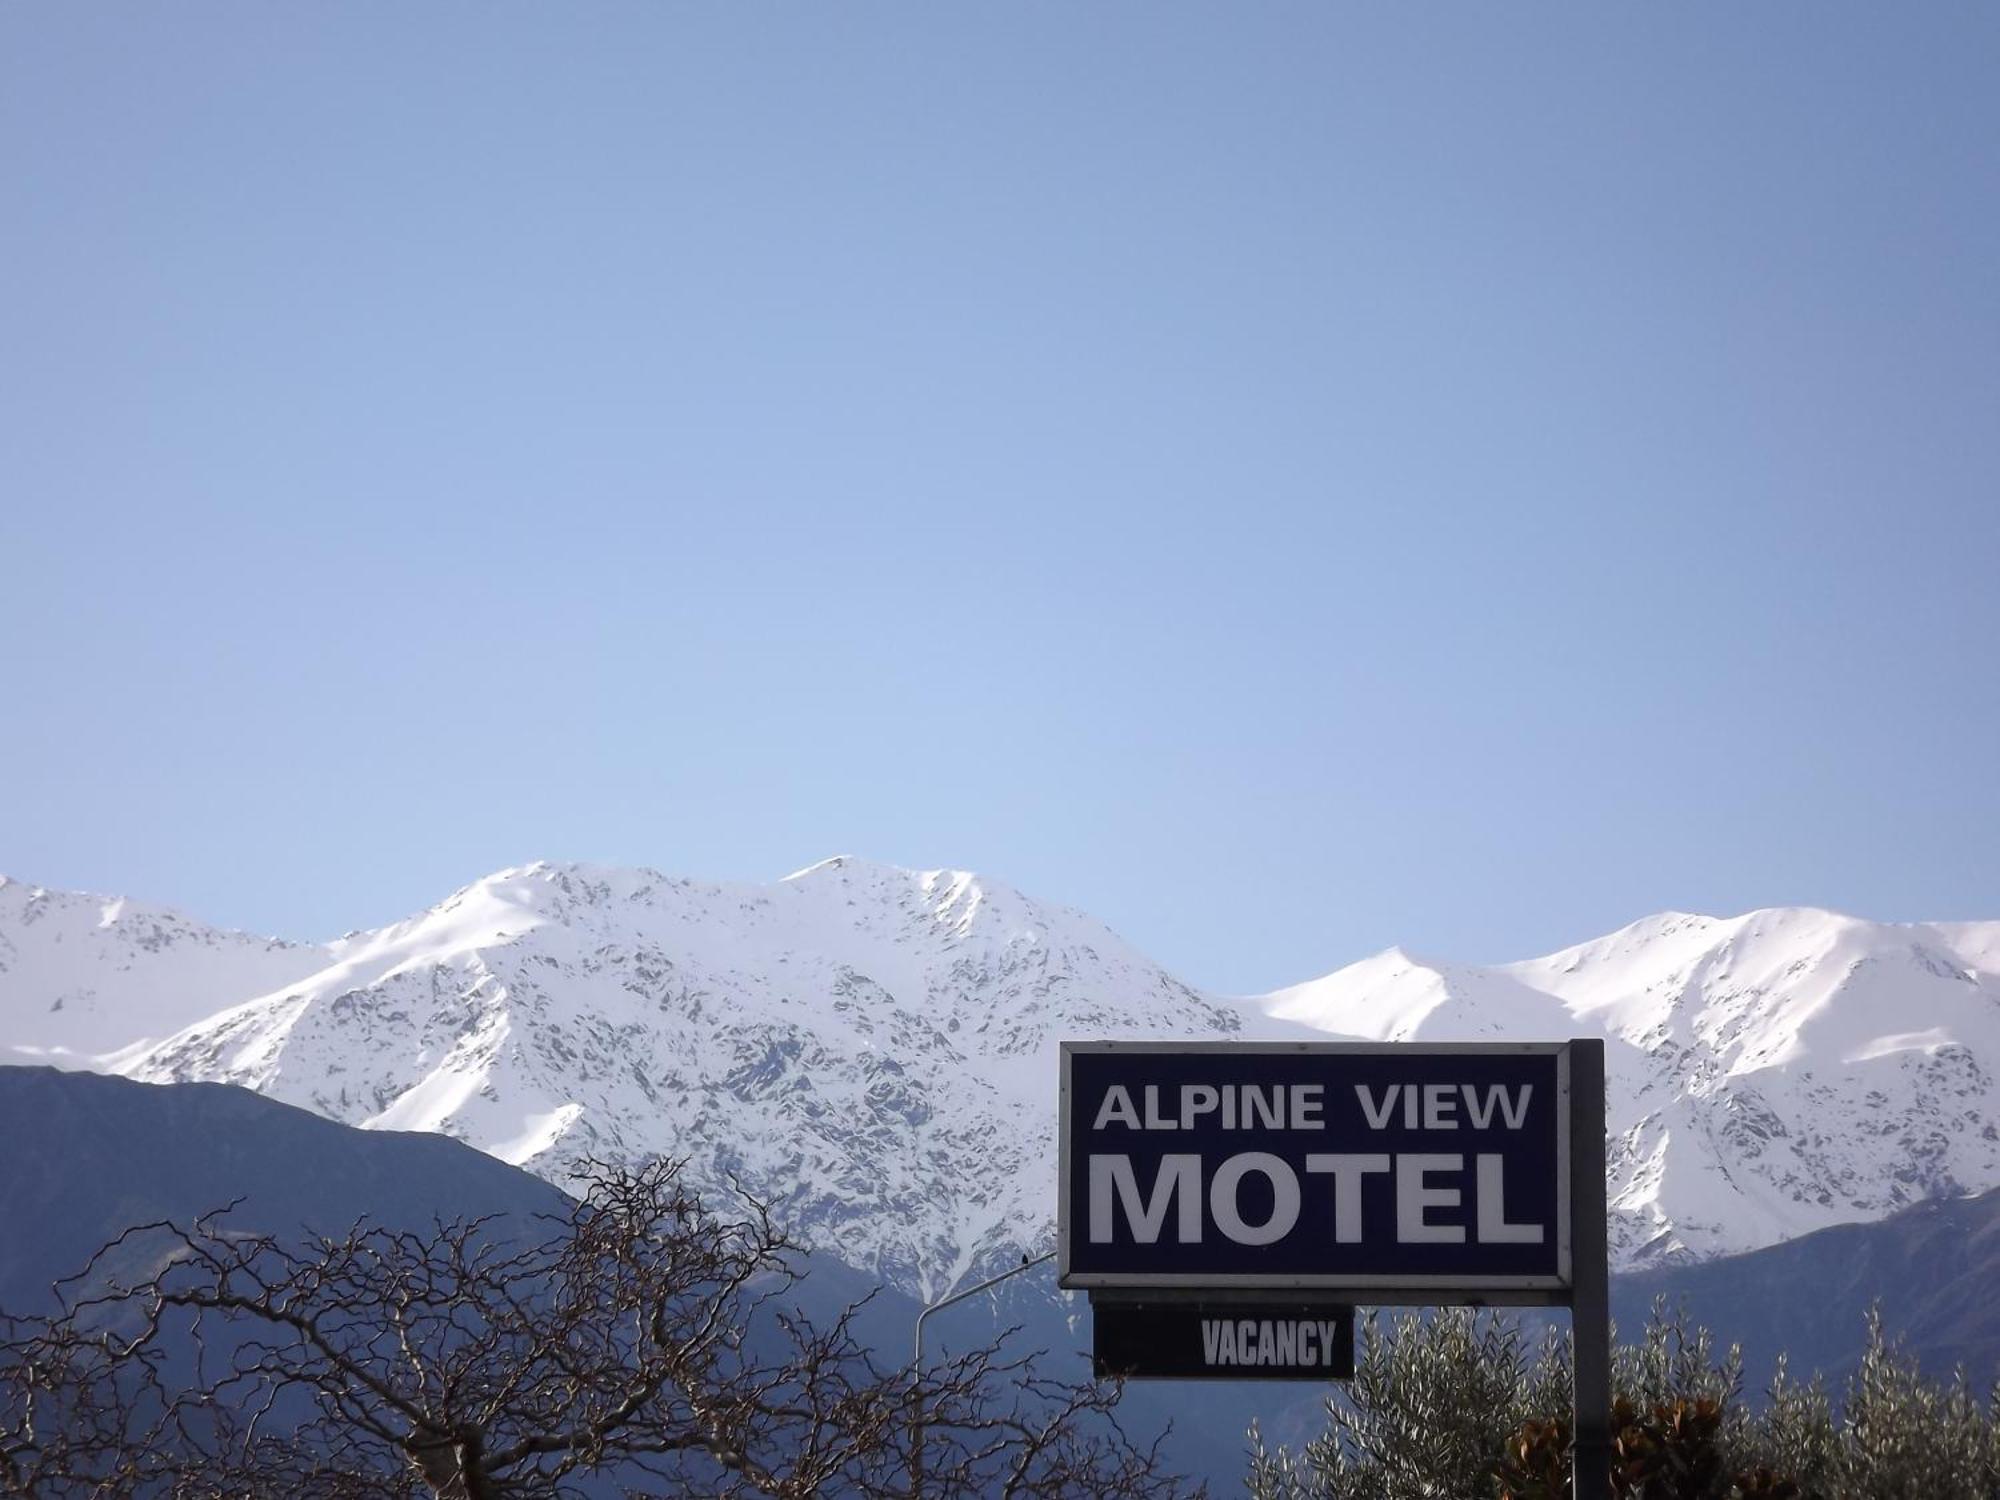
(873, 1047)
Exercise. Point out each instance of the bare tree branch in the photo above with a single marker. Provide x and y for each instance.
(640, 1342)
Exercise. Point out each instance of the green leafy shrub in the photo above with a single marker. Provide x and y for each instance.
(1464, 1405)
(1431, 1404)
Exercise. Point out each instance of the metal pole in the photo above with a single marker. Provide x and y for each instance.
(917, 1360)
(1590, 1290)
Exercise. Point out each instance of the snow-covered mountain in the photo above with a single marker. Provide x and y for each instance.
(874, 1048)
(1769, 1074)
(81, 976)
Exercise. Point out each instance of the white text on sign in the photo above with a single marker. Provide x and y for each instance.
(1301, 1106)
(1305, 1342)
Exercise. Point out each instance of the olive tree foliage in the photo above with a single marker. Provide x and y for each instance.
(1432, 1403)
(1902, 1436)
(1464, 1405)
(638, 1345)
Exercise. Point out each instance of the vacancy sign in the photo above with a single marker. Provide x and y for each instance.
(1225, 1341)
(1333, 1167)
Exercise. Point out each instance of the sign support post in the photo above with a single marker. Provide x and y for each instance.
(1590, 1294)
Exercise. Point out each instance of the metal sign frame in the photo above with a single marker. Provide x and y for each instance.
(1380, 1290)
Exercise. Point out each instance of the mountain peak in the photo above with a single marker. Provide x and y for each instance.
(832, 865)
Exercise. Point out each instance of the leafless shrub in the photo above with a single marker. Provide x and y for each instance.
(637, 1345)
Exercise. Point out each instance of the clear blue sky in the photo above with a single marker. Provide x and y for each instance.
(1285, 478)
